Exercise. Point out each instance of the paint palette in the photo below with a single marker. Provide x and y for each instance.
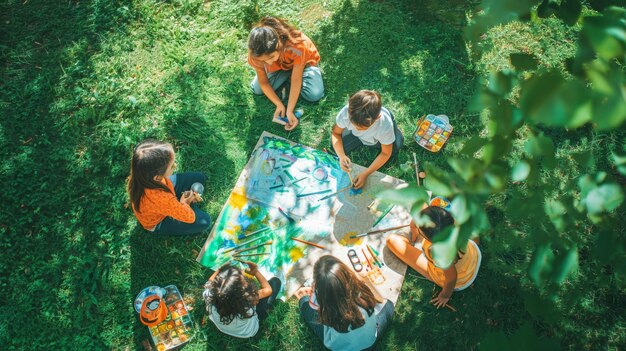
(432, 132)
(177, 328)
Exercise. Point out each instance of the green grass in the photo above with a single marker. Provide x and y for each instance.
(83, 82)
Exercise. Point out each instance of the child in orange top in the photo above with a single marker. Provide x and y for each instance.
(457, 276)
(278, 52)
(155, 191)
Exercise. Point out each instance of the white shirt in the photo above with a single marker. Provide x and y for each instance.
(381, 131)
(238, 327)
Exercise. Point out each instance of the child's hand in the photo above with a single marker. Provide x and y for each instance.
(292, 121)
(252, 267)
(345, 163)
(359, 180)
(280, 111)
(440, 300)
(187, 198)
(302, 292)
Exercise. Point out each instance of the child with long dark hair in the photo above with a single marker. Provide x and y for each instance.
(349, 315)
(281, 54)
(235, 304)
(161, 200)
(457, 276)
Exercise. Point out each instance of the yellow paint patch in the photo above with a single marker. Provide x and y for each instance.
(237, 200)
(346, 240)
(295, 254)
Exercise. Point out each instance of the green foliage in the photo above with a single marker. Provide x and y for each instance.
(84, 81)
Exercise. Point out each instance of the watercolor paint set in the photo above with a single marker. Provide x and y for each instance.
(432, 132)
(177, 328)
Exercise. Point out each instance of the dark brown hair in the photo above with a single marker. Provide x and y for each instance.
(150, 159)
(364, 107)
(340, 293)
(271, 34)
(440, 218)
(231, 294)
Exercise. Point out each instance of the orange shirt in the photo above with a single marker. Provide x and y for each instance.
(303, 53)
(156, 204)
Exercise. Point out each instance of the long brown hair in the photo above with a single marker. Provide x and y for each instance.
(272, 34)
(150, 159)
(340, 293)
(231, 294)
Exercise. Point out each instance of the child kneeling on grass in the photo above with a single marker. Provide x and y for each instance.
(281, 54)
(346, 314)
(234, 303)
(161, 200)
(364, 121)
(457, 276)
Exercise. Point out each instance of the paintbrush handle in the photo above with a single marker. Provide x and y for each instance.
(380, 231)
(254, 247)
(382, 215)
(254, 254)
(308, 243)
(336, 192)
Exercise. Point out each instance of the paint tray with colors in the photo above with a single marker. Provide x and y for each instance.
(432, 132)
(177, 328)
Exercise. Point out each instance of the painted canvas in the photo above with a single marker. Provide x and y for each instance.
(288, 191)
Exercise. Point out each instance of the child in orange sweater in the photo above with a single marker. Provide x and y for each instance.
(281, 54)
(162, 201)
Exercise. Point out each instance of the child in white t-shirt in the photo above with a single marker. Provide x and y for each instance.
(234, 303)
(365, 122)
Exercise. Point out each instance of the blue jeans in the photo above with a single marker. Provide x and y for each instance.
(265, 304)
(182, 182)
(312, 83)
(310, 316)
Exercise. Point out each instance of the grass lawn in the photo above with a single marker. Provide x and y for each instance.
(84, 81)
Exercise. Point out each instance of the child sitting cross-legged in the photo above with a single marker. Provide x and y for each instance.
(364, 121)
(234, 303)
(341, 309)
(458, 276)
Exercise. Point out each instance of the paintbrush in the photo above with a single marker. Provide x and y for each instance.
(290, 183)
(335, 193)
(242, 244)
(308, 243)
(314, 193)
(253, 247)
(286, 215)
(248, 255)
(256, 232)
(378, 231)
(416, 166)
(380, 218)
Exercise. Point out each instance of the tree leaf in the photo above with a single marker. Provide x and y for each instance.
(444, 247)
(606, 197)
(565, 265)
(520, 171)
(540, 263)
(523, 62)
(459, 210)
(406, 197)
(569, 11)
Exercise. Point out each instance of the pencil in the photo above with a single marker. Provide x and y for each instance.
(286, 215)
(309, 243)
(366, 258)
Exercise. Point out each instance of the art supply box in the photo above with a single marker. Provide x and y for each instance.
(177, 328)
(432, 132)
